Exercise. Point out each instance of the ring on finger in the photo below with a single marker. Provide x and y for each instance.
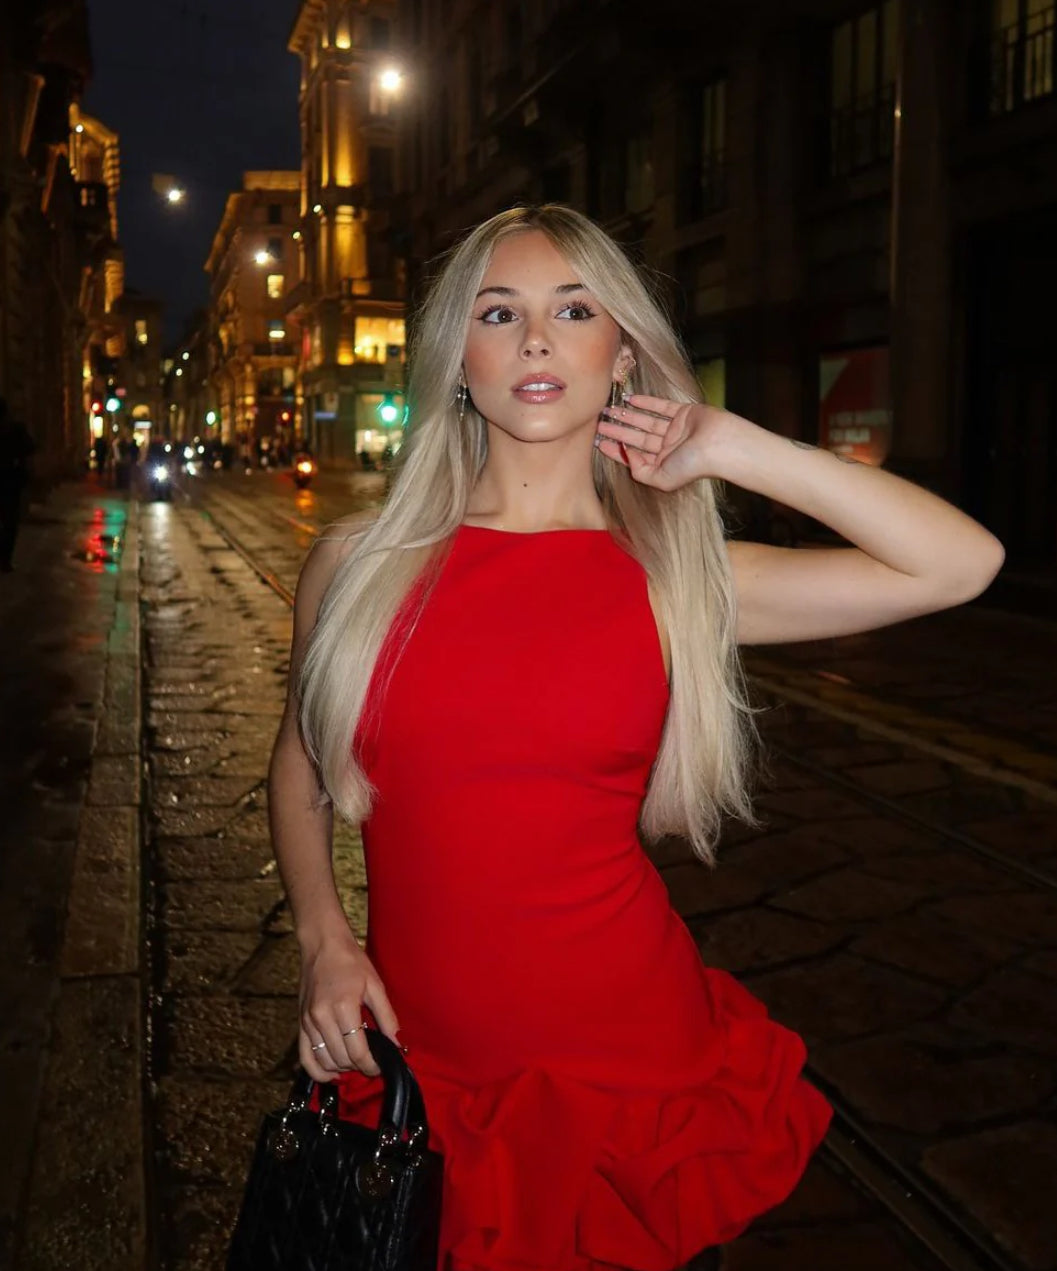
(320, 1046)
(357, 1029)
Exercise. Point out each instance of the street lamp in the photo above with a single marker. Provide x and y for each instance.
(390, 80)
(262, 257)
(176, 195)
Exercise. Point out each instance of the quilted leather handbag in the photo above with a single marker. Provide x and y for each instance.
(330, 1195)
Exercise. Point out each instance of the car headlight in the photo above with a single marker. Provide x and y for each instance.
(160, 473)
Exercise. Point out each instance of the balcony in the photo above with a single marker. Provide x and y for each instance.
(1021, 65)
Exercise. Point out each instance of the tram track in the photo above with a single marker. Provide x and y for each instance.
(953, 1239)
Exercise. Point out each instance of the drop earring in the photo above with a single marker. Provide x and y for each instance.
(462, 396)
(616, 393)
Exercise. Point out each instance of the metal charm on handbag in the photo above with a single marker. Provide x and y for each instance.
(330, 1195)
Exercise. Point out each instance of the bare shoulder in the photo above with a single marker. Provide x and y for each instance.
(330, 549)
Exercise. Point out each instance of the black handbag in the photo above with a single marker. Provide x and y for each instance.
(330, 1195)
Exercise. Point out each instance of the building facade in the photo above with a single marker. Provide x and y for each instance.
(252, 267)
(851, 205)
(347, 310)
(55, 230)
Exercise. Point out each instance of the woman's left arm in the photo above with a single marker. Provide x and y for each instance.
(914, 553)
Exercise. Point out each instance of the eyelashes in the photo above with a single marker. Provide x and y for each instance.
(490, 316)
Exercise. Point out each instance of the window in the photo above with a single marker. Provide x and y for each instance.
(379, 33)
(638, 189)
(376, 336)
(702, 149)
(277, 329)
(863, 58)
(380, 170)
(1022, 49)
(141, 331)
(275, 248)
(274, 284)
(275, 214)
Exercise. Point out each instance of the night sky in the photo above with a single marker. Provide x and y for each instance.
(203, 90)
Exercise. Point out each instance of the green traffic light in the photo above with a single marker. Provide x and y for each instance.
(388, 413)
(113, 403)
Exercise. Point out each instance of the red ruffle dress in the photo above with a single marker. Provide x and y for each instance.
(602, 1099)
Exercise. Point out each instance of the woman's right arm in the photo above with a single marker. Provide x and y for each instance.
(337, 977)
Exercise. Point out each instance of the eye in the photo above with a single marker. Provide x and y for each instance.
(498, 315)
(578, 310)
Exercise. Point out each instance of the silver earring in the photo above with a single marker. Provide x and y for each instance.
(461, 398)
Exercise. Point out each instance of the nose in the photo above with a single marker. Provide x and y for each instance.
(535, 342)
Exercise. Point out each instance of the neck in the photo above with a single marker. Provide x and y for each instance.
(537, 485)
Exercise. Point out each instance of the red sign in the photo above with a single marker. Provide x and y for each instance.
(855, 404)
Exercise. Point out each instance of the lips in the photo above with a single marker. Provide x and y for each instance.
(537, 390)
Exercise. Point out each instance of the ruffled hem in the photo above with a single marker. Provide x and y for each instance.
(544, 1171)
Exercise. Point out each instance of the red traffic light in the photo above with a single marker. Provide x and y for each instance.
(97, 408)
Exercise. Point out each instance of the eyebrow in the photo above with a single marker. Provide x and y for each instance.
(562, 290)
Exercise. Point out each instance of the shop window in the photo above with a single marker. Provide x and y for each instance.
(863, 58)
(376, 336)
(1021, 54)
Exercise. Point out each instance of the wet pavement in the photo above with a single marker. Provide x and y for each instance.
(894, 908)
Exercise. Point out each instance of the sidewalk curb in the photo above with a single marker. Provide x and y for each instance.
(87, 1197)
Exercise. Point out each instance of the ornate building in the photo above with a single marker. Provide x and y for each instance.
(252, 265)
(56, 229)
(95, 161)
(347, 309)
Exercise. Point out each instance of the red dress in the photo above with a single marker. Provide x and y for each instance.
(601, 1098)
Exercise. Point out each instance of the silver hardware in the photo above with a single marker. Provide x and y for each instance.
(284, 1144)
(375, 1180)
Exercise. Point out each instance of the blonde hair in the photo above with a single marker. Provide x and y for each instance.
(701, 767)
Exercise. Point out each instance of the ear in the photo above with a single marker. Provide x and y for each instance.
(625, 362)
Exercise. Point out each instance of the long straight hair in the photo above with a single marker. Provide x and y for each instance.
(702, 764)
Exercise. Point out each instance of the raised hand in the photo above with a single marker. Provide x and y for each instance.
(663, 444)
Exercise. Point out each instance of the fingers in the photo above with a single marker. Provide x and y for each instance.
(310, 1060)
(653, 405)
(631, 436)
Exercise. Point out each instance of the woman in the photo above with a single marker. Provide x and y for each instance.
(529, 653)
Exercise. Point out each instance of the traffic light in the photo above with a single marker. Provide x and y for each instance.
(97, 407)
(387, 410)
(113, 402)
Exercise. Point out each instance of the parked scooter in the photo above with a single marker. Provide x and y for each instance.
(305, 468)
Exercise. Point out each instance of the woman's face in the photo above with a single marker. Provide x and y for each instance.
(541, 353)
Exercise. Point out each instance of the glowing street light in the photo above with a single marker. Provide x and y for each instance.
(176, 195)
(263, 257)
(390, 80)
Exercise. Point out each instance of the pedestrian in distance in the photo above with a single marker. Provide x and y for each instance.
(16, 449)
(526, 661)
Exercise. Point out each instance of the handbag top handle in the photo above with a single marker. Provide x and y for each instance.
(402, 1104)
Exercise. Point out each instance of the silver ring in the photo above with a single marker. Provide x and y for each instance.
(321, 1046)
(354, 1030)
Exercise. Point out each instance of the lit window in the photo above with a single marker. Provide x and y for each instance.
(277, 330)
(275, 286)
(141, 331)
(375, 335)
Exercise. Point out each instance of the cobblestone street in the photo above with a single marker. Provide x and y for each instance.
(897, 907)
